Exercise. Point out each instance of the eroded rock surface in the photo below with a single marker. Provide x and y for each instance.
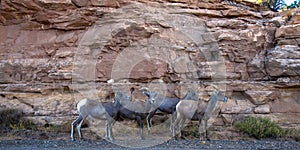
(53, 53)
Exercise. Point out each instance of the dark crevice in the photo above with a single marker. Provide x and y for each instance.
(23, 102)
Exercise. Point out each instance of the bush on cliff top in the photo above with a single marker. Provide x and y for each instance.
(277, 5)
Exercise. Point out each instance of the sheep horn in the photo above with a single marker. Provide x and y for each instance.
(215, 87)
(144, 89)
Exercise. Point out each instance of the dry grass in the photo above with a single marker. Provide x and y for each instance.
(13, 119)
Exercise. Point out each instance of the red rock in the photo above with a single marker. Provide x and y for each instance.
(262, 109)
(287, 103)
(36, 37)
(56, 4)
(39, 46)
(288, 31)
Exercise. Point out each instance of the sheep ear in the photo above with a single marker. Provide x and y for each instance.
(214, 86)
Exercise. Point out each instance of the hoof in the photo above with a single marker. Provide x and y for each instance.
(204, 139)
(171, 129)
(148, 131)
(109, 138)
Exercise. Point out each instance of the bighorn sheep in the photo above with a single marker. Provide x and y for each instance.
(107, 111)
(135, 110)
(166, 104)
(197, 110)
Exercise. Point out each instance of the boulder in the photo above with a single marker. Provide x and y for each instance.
(288, 31)
(237, 107)
(181, 65)
(260, 97)
(262, 109)
(283, 61)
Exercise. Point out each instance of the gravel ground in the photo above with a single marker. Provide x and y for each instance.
(36, 140)
(180, 144)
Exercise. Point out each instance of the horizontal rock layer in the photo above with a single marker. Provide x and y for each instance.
(54, 53)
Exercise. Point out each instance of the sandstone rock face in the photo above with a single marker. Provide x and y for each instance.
(284, 61)
(54, 53)
(289, 102)
(262, 109)
(260, 97)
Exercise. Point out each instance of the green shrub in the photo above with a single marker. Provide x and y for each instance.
(276, 5)
(259, 127)
(191, 131)
(292, 133)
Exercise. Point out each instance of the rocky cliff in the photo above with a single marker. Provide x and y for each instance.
(55, 52)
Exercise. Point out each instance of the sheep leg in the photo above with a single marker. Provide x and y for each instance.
(74, 123)
(106, 129)
(149, 120)
(79, 129)
(175, 124)
(112, 138)
(203, 134)
(200, 131)
(181, 124)
(172, 121)
(140, 124)
(113, 121)
(206, 130)
(109, 134)
(72, 132)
